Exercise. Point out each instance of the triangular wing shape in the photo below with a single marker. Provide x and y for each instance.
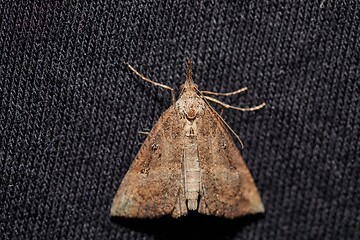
(227, 187)
(153, 185)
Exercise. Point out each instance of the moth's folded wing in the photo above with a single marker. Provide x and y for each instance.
(228, 188)
(152, 186)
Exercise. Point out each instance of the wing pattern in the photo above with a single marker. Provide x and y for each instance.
(227, 187)
(153, 185)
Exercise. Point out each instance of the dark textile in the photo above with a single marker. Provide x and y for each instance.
(71, 111)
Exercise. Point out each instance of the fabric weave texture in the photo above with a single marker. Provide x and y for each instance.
(71, 110)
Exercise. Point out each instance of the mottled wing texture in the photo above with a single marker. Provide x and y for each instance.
(153, 185)
(227, 187)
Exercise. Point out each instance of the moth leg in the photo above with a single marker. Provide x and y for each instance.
(225, 94)
(223, 121)
(155, 83)
(143, 132)
(232, 107)
(221, 112)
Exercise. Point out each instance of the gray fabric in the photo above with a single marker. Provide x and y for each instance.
(71, 111)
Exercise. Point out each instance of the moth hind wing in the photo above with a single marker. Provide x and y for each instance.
(227, 186)
(152, 186)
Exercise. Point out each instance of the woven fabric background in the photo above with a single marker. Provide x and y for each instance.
(70, 111)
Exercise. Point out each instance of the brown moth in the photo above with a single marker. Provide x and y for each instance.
(188, 162)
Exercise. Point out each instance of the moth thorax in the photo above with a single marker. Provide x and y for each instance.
(190, 113)
(190, 107)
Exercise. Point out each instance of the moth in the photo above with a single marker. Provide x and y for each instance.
(188, 162)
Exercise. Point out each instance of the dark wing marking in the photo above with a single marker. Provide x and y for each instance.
(227, 187)
(153, 185)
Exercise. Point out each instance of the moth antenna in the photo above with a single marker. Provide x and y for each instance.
(232, 107)
(225, 94)
(154, 83)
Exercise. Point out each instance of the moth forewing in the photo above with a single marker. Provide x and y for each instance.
(153, 185)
